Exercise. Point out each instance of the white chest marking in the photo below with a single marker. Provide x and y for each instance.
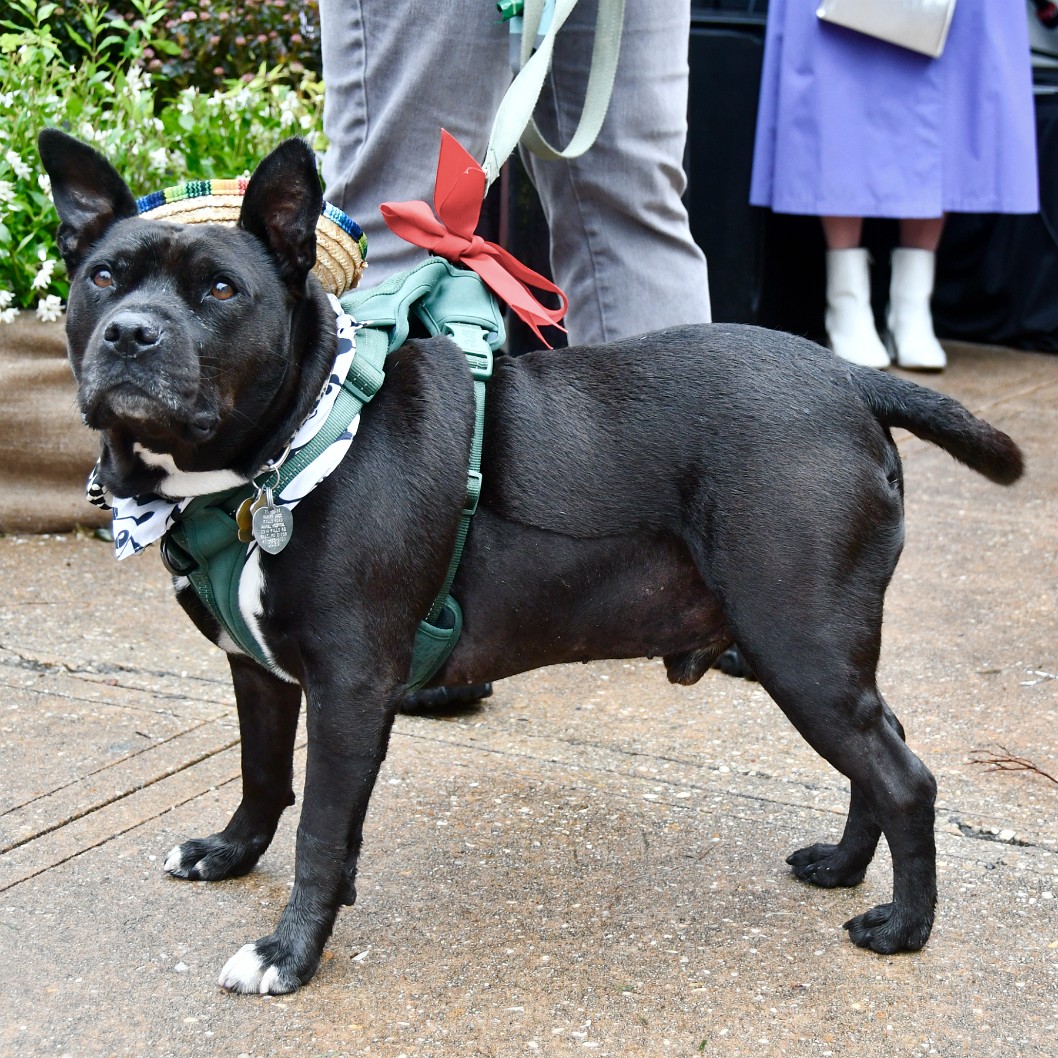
(177, 484)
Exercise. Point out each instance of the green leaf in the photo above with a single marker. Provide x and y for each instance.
(76, 38)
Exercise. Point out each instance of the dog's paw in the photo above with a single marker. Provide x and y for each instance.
(827, 866)
(249, 971)
(887, 929)
(210, 859)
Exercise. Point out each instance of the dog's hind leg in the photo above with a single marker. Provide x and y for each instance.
(844, 864)
(840, 713)
(268, 719)
(805, 607)
(846, 722)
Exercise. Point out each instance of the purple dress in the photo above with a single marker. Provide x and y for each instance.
(855, 127)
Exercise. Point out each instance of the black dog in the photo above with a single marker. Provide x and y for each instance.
(667, 495)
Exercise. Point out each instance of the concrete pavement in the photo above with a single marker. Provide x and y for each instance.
(591, 863)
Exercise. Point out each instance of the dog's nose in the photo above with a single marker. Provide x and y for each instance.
(131, 333)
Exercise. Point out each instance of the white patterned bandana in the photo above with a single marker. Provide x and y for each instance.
(141, 520)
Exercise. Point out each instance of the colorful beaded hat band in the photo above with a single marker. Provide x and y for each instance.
(341, 247)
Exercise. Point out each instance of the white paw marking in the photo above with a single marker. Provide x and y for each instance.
(172, 863)
(244, 971)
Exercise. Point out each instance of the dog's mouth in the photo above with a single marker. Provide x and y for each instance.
(158, 416)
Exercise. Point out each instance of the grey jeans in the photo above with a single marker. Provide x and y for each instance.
(398, 71)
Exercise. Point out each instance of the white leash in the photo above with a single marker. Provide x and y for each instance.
(514, 118)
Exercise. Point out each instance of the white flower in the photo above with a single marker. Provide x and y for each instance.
(187, 100)
(137, 79)
(6, 297)
(7, 192)
(15, 161)
(8, 315)
(44, 183)
(307, 121)
(159, 158)
(49, 309)
(42, 280)
(286, 119)
(7, 99)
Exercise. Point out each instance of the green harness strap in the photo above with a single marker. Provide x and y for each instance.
(204, 545)
(454, 302)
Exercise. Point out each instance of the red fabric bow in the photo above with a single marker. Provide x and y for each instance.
(458, 193)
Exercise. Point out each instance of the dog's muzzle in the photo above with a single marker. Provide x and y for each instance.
(131, 334)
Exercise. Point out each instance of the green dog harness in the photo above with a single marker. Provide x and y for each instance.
(210, 540)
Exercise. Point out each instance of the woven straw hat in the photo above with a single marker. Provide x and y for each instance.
(341, 247)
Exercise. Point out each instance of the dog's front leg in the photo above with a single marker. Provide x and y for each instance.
(268, 720)
(348, 731)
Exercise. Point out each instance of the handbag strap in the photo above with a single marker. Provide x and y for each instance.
(514, 118)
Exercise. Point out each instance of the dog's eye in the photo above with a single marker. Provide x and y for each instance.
(103, 277)
(222, 290)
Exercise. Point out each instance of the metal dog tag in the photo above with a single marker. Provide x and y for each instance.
(272, 525)
(244, 516)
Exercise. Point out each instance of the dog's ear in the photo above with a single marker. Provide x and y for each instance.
(89, 193)
(281, 206)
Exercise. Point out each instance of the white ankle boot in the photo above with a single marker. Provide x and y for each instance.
(849, 320)
(910, 336)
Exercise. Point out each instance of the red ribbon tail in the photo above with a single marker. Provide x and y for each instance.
(513, 283)
(458, 191)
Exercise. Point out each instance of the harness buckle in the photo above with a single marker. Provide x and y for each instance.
(480, 363)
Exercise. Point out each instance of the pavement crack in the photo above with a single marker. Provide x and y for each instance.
(18, 660)
(155, 744)
(135, 788)
(110, 837)
(1001, 837)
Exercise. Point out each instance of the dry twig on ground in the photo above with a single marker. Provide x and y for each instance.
(1001, 759)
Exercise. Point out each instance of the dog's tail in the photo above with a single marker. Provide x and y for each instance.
(942, 420)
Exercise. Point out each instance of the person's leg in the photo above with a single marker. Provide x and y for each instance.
(849, 319)
(621, 246)
(842, 233)
(909, 319)
(921, 233)
(396, 75)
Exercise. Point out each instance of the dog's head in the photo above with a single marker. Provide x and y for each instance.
(192, 344)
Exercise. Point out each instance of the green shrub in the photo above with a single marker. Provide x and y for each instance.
(110, 100)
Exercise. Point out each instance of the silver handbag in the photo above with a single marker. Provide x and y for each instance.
(921, 25)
